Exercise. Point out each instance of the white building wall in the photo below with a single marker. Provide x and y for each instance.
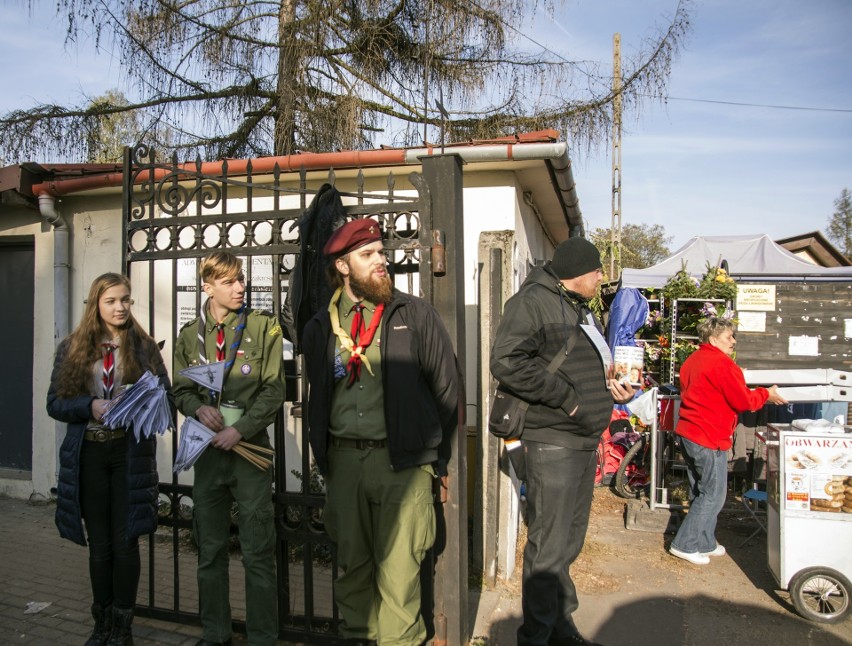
(490, 204)
(492, 201)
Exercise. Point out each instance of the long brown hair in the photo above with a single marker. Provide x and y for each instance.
(83, 345)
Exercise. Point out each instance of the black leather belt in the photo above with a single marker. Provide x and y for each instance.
(347, 443)
(103, 434)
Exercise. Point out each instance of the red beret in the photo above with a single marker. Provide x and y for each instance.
(353, 234)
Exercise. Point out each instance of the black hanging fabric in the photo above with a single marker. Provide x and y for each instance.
(309, 290)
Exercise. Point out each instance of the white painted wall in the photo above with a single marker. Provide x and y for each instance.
(492, 201)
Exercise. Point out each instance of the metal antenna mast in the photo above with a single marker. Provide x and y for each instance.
(615, 228)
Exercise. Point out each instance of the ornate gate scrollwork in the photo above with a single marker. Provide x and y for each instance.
(175, 214)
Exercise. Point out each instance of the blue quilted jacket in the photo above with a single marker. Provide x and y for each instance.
(142, 475)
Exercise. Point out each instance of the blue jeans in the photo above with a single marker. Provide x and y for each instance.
(708, 483)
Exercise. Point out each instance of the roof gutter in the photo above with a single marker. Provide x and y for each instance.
(555, 154)
(259, 166)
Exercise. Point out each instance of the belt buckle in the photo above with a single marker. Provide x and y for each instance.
(101, 435)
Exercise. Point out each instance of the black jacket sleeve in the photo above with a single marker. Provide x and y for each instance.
(439, 362)
(528, 337)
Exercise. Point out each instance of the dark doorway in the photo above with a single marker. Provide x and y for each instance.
(17, 282)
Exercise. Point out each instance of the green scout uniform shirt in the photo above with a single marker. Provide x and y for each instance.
(358, 412)
(255, 381)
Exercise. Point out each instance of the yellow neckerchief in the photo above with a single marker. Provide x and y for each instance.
(346, 341)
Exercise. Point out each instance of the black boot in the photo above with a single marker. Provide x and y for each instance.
(103, 625)
(121, 620)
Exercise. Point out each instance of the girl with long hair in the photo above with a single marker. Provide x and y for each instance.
(107, 479)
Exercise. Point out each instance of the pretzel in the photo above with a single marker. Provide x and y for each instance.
(828, 509)
(833, 487)
(826, 504)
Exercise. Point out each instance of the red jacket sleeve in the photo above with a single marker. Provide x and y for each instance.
(739, 396)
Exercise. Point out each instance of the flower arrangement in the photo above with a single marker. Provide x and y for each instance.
(654, 321)
(714, 285)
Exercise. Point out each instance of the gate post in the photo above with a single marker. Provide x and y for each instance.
(443, 174)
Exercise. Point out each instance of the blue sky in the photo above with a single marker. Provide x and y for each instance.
(713, 169)
(697, 168)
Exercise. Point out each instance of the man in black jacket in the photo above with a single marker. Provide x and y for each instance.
(382, 407)
(569, 410)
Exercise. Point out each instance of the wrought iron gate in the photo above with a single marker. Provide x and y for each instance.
(174, 214)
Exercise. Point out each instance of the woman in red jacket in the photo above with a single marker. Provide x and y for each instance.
(713, 393)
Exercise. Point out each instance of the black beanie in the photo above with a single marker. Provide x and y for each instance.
(575, 257)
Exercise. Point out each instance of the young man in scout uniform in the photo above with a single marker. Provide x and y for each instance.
(250, 344)
(382, 408)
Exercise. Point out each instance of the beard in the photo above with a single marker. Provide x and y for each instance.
(376, 289)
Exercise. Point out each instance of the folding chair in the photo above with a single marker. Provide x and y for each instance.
(752, 500)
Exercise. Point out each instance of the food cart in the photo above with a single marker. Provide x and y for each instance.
(809, 518)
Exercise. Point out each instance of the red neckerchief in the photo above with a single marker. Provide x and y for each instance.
(362, 337)
(108, 376)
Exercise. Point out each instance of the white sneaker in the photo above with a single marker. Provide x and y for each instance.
(696, 558)
(719, 551)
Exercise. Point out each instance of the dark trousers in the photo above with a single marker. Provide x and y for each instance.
(560, 485)
(113, 559)
(222, 478)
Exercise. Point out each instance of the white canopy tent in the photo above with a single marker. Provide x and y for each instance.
(755, 257)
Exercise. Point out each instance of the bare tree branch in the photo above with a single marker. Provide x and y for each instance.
(227, 77)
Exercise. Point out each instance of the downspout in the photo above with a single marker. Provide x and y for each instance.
(61, 281)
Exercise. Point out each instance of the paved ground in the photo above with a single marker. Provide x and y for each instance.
(632, 592)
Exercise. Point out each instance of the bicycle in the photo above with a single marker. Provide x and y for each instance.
(633, 477)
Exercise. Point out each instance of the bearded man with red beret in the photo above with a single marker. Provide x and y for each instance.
(382, 407)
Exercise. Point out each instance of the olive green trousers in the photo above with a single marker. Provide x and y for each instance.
(383, 523)
(222, 478)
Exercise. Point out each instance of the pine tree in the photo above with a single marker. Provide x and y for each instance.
(840, 223)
